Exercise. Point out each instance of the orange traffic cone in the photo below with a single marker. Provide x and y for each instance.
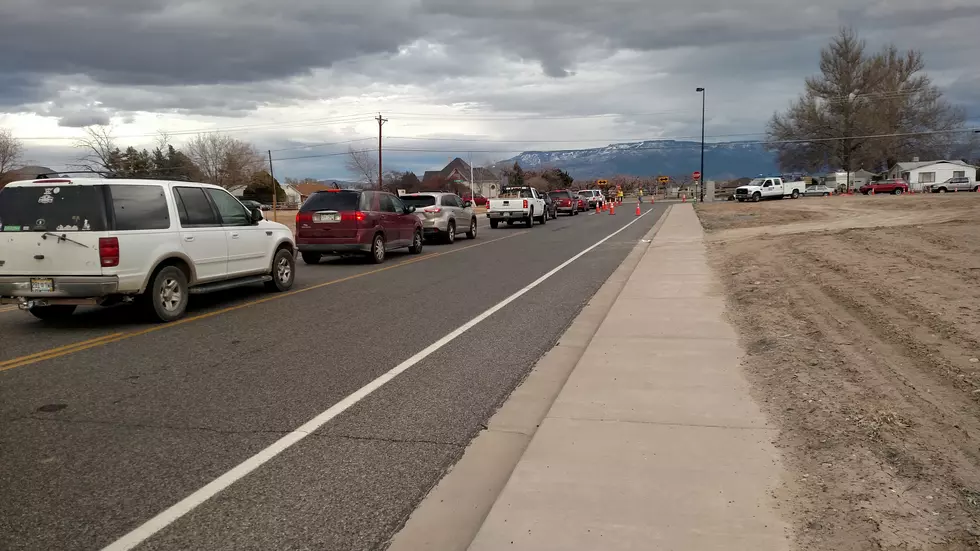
(597, 208)
(637, 209)
(683, 198)
(612, 208)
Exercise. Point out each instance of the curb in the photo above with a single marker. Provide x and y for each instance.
(452, 513)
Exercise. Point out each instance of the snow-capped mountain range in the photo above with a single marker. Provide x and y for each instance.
(722, 160)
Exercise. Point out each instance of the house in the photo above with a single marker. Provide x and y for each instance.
(485, 181)
(238, 191)
(305, 190)
(841, 179)
(293, 196)
(921, 174)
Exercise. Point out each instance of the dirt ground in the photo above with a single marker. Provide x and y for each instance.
(861, 321)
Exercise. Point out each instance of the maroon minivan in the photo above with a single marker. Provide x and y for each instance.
(347, 221)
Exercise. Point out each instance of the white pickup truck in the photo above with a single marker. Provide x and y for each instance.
(515, 204)
(769, 188)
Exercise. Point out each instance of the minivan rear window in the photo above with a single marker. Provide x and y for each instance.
(340, 201)
(52, 208)
(419, 200)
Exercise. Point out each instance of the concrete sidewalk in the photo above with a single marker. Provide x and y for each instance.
(654, 442)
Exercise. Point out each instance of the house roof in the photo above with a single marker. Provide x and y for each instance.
(439, 177)
(306, 190)
(919, 164)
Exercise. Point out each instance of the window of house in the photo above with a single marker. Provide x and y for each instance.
(927, 177)
(959, 174)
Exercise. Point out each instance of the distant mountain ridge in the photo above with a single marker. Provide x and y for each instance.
(722, 160)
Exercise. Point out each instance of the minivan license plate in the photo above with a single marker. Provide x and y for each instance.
(42, 285)
(328, 217)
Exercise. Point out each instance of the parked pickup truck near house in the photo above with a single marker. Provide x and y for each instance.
(517, 204)
(958, 183)
(769, 188)
(895, 187)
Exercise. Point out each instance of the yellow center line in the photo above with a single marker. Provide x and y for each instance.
(116, 337)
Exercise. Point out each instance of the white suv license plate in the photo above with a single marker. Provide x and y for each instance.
(39, 285)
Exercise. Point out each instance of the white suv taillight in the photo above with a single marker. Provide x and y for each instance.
(109, 251)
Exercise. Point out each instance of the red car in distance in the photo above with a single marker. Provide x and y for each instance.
(565, 201)
(896, 186)
(480, 200)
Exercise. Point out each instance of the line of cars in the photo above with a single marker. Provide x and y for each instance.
(526, 205)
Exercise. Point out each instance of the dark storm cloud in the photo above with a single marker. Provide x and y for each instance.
(143, 42)
(229, 57)
(84, 118)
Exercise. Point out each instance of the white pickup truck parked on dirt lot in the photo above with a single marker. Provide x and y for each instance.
(515, 204)
(769, 188)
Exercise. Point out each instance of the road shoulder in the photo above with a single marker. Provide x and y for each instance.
(451, 514)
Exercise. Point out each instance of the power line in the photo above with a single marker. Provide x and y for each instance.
(321, 144)
(588, 140)
(468, 116)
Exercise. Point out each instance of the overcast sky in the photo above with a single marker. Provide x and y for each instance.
(452, 76)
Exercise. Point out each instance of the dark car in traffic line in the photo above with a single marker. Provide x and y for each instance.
(356, 222)
(565, 201)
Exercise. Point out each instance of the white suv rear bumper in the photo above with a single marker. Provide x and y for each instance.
(64, 287)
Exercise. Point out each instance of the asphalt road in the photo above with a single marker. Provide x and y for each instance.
(99, 437)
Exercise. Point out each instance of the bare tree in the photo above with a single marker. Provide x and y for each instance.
(363, 165)
(863, 111)
(99, 150)
(223, 160)
(11, 150)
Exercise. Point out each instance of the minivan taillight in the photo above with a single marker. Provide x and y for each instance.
(355, 216)
(109, 251)
(525, 203)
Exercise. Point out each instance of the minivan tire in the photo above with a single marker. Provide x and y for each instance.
(283, 271)
(168, 281)
(54, 312)
(378, 249)
(311, 258)
(416, 247)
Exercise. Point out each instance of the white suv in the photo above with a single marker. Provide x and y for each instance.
(91, 241)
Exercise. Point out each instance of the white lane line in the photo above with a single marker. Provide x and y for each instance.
(189, 503)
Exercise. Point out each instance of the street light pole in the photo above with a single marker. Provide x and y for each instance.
(702, 142)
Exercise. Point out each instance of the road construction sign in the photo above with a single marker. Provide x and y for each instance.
(602, 182)
(663, 179)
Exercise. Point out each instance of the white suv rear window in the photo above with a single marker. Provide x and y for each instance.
(52, 208)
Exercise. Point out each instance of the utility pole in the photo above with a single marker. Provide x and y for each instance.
(272, 176)
(381, 122)
(472, 189)
(702, 143)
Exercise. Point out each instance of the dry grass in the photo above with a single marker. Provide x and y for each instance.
(861, 317)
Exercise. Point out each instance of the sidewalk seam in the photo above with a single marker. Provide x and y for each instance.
(660, 423)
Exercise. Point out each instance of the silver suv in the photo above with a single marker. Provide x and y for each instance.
(443, 214)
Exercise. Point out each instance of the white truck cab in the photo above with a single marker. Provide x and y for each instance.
(769, 188)
(68, 242)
